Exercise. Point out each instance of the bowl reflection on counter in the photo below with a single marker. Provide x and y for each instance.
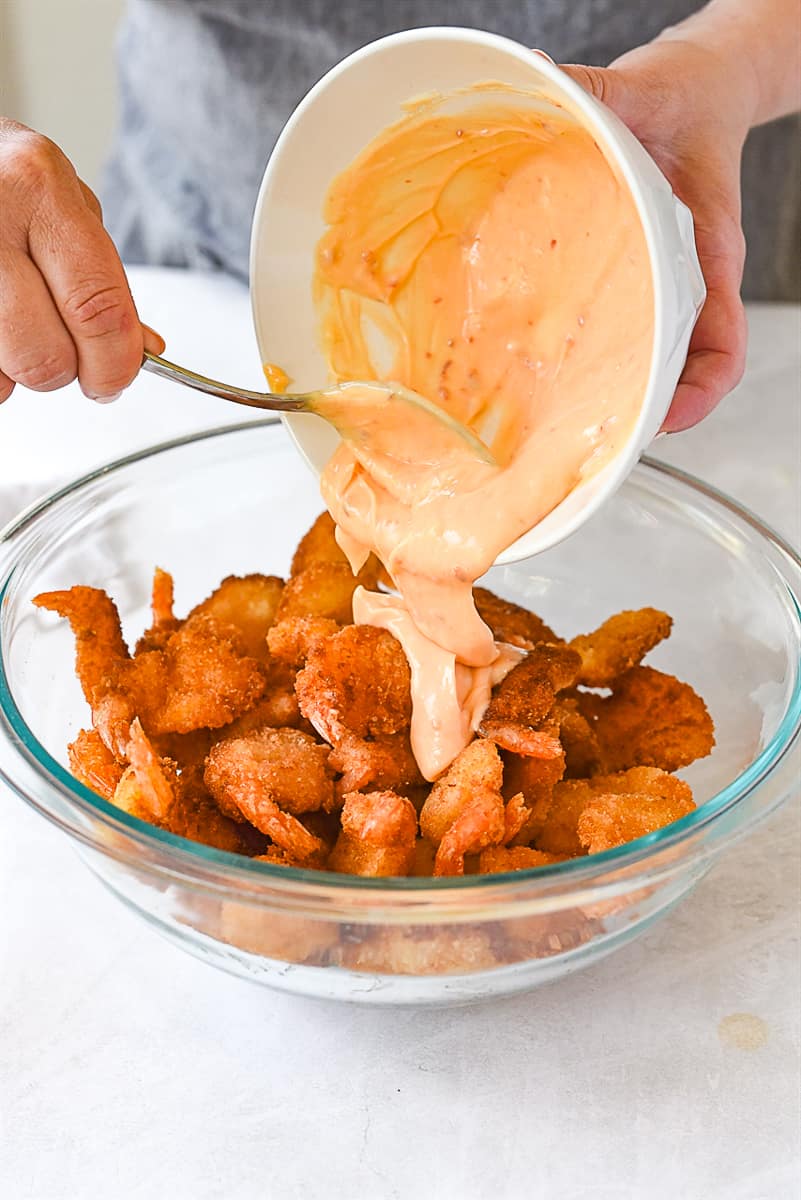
(237, 500)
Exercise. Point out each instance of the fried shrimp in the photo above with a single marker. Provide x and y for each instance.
(99, 646)
(582, 750)
(287, 767)
(515, 717)
(477, 769)
(340, 696)
(496, 859)
(93, 763)
(267, 724)
(619, 644)
(323, 589)
(206, 679)
(163, 619)
(319, 545)
(510, 623)
(652, 720)
(155, 776)
(249, 604)
(385, 763)
(154, 790)
(631, 804)
(291, 640)
(378, 835)
(479, 824)
(278, 707)
(534, 779)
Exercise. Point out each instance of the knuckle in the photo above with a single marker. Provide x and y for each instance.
(44, 374)
(32, 160)
(99, 310)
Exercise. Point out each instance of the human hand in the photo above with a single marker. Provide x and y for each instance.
(678, 99)
(66, 311)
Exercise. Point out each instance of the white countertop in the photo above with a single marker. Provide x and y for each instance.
(129, 1071)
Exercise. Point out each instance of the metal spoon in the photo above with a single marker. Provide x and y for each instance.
(354, 409)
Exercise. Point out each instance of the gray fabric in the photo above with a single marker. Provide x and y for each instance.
(206, 85)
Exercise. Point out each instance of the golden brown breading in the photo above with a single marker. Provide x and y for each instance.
(612, 818)
(93, 763)
(650, 796)
(384, 763)
(582, 751)
(287, 767)
(523, 701)
(378, 835)
(356, 682)
(291, 640)
(248, 603)
(558, 832)
(164, 622)
(619, 644)
(477, 769)
(99, 644)
(206, 681)
(319, 545)
(510, 623)
(465, 810)
(277, 708)
(536, 778)
(323, 589)
(495, 859)
(652, 720)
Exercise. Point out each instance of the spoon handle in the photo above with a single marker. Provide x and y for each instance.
(213, 387)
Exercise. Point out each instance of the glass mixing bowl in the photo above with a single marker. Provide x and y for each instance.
(237, 500)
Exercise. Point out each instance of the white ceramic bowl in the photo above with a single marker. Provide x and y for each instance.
(349, 107)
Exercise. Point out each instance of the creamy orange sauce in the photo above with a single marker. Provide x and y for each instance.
(493, 262)
(277, 378)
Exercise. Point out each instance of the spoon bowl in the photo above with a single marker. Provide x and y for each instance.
(382, 421)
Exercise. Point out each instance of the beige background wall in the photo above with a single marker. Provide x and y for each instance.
(57, 73)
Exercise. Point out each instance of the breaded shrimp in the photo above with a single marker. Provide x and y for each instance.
(99, 645)
(356, 682)
(524, 699)
(652, 720)
(378, 835)
(478, 769)
(285, 766)
(619, 644)
(93, 764)
(248, 603)
(510, 623)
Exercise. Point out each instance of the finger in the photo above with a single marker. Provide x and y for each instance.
(595, 80)
(6, 387)
(35, 348)
(87, 281)
(91, 199)
(714, 367)
(716, 358)
(154, 342)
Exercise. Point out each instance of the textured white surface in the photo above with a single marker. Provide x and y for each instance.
(129, 1070)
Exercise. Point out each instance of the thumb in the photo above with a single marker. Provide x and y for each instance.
(600, 82)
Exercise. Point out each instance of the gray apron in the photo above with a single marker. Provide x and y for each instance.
(206, 85)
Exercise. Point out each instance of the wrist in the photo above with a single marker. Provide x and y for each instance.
(681, 81)
(719, 67)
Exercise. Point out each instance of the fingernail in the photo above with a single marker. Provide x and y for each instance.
(106, 399)
(154, 342)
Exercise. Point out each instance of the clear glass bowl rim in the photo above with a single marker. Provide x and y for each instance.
(187, 857)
